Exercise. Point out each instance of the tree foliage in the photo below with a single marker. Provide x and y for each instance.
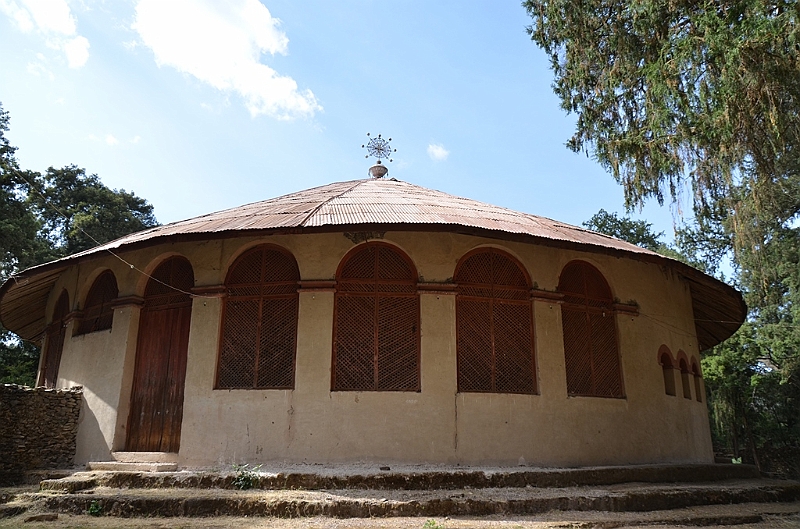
(47, 216)
(638, 232)
(78, 212)
(702, 98)
(674, 92)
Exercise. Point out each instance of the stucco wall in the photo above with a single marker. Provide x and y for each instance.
(438, 424)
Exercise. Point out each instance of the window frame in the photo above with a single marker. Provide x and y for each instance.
(528, 302)
(605, 307)
(376, 295)
(224, 309)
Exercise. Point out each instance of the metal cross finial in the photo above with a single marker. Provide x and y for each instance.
(379, 148)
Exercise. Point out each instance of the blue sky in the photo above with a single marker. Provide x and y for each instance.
(198, 106)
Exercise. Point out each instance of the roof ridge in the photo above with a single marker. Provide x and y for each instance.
(327, 200)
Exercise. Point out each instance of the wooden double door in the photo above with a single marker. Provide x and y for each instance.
(156, 412)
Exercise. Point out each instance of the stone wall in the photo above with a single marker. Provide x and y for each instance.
(38, 428)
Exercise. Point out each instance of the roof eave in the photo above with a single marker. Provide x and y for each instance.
(719, 309)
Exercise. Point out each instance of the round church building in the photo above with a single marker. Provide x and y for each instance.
(378, 321)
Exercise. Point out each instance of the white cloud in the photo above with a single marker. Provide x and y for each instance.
(77, 51)
(54, 21)
(221, 43)
(19, 15)
(136, 139)
(39, 69)
(51, 16)
(111, 140)
(437, 152)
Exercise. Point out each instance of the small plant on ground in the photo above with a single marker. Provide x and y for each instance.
(246, 476)
(432, 524)
(95, 509)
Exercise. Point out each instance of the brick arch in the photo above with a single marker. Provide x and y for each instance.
(258, 342)
(682, 360)
(591, 351)
(664, 350)
(376, 338)
(494, 324)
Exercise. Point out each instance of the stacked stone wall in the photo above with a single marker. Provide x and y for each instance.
(38, 429)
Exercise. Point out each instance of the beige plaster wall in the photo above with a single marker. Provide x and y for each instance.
(96, 361)
(437, 424)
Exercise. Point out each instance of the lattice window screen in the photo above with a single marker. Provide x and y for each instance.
(494, 325)
(97, 311)
(170, 284)
(591, 354)
(376, 342)
(259, 323)
(56, 333)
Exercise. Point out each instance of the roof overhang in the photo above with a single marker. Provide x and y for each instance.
(719, 309)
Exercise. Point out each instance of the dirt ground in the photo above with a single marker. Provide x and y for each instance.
(777, 516)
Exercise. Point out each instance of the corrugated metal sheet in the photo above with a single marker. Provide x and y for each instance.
(365, 202)
(372, 202)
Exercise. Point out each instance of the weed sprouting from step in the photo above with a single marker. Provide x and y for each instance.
(95, 509)
(432, 524)
(246, 476)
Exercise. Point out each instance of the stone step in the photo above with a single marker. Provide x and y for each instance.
(145, 457)
(119, 475)
(137, 462)
(391, 503)
(121, 466)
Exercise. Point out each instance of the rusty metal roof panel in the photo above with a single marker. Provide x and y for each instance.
(370, 202)
(359, 202)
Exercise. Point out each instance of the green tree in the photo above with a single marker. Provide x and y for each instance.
(43, 217)
(78, 211)
(20, 242)
(673, 93)
(638, 232)
(702, 98)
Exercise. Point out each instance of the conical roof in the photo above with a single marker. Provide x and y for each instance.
(385, 204)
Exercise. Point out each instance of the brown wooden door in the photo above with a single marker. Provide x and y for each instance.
(154, 423)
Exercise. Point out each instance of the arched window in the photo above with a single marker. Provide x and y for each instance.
(590, 338)
(494, 324)
(56, 333)
(376, 330)
(668, 370)
(687, 391)
(259, 321)
(97, 311)
(698, 388)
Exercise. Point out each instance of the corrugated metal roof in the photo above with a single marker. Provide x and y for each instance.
(382, 203)
(373, 201)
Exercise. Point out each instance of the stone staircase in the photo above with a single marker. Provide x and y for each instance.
(372, 492)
